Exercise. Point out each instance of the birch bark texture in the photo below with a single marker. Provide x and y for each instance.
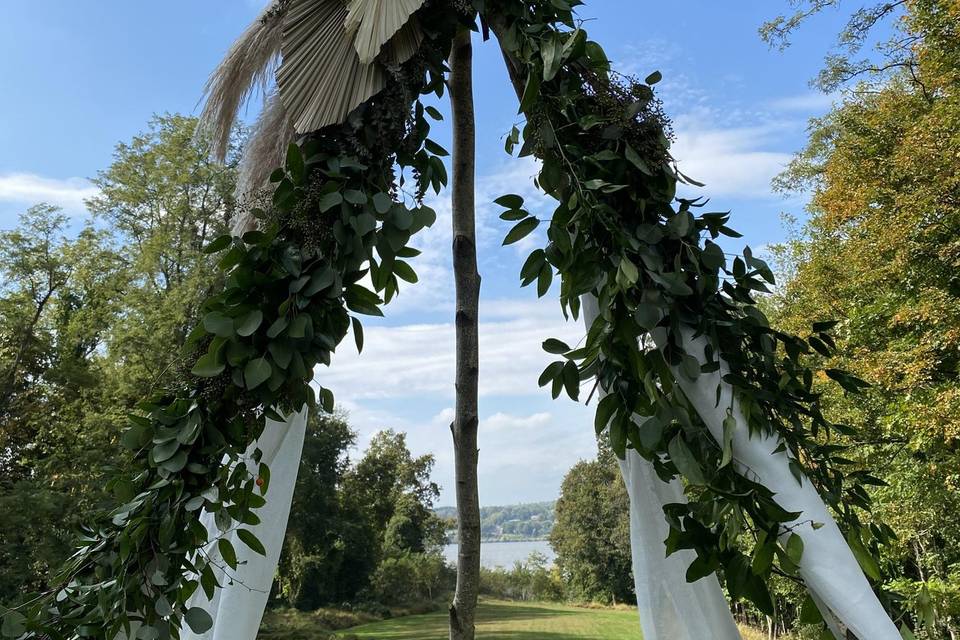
(466, 420)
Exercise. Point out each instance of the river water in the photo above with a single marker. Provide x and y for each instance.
(504, 554)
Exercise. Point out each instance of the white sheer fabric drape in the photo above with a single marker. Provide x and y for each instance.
(828, 567)
(670, 608)
(237, 608)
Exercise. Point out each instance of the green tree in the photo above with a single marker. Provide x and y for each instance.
(56, 296)
(360, 529)
(880, 253)
(165, 198)
(591, 534)
(391, 490)
(86, 324)
(410, 578)
(390, 482)
(319, 529)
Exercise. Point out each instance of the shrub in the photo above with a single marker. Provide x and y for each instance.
(529, 580)
(410, 578)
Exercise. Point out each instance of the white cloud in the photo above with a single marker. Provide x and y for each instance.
(643, 58)
(417, 359)
(29, 189)
(738, 161)
(735, 149)
(810, 103)
(506, 422)
(404, 381)
(523, 457)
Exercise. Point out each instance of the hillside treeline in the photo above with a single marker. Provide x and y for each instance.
(530, 521)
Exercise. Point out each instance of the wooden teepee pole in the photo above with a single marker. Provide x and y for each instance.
(463, 608)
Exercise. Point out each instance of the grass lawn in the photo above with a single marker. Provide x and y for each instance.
(513, 621)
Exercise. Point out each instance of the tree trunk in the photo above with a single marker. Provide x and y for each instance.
(464, 427)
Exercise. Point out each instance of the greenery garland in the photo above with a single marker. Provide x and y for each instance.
(339, 211)
(655, 267)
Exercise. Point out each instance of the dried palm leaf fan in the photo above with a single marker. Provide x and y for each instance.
(376, 22)
(327, 72)
(331, 55)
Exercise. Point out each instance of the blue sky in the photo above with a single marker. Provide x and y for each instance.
(78, 77)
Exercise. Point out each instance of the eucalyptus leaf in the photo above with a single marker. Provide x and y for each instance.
(329, 201)
(177, 463)
(218, 324)
(13, 624)
(227, 552)
(552, 345)
(647, 315)
(165, 451)
(248, 324)
(685, 461)
(510, 201)
(218, 244)
(357, 334)
(198, 620)
(712, 256)
(257, 372)
(248, 538)
(382, 202)
(521, 231)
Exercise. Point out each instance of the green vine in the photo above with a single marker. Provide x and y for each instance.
(339, 210)
(621, 234)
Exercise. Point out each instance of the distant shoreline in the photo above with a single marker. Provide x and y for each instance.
(503, 541)
(518, 540)
(505, 554)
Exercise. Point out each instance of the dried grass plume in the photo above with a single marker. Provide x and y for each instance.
(248, 66)
(266, 148)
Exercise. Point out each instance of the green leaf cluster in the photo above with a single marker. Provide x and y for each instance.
(655, 264)
(338, 217)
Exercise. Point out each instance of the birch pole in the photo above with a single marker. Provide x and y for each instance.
(466, 420)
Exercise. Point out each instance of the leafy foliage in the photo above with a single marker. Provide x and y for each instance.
(657, 272)
(93, 315)
(592, 534)
(349, 520)
(532, 579)
(285, 305)
(880, 251)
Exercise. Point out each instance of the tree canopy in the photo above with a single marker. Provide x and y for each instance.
(86, 322)
(592, 532)
(881, 253)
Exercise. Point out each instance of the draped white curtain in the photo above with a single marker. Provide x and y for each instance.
(670, 608)
(237, 608)
(828, 567)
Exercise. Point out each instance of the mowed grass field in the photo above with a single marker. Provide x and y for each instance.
(513, 621)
